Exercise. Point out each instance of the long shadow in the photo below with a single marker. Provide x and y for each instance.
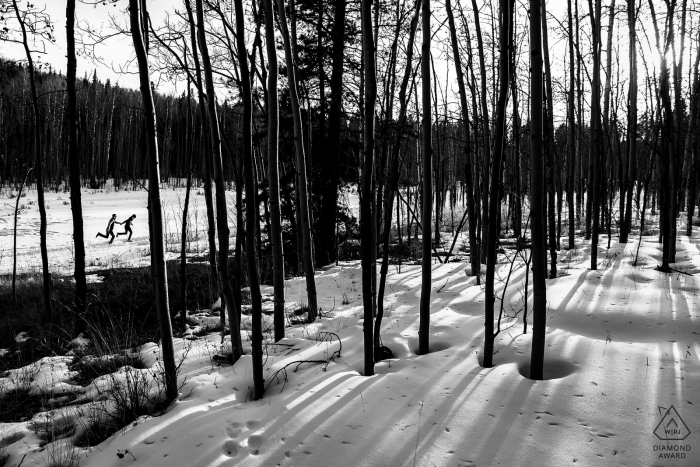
(572, 291)
(311, 425)
(506, 421)
(379, 435)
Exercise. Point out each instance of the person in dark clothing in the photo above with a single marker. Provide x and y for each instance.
(110, 229)
(127, 227)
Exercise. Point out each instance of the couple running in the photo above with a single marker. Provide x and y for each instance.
(110, 228)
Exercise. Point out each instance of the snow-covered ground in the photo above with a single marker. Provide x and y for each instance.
(98, 207)
(623, 346)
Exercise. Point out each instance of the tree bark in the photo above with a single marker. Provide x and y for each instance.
(631, 121)
(207, 158)
(303, 198)
(252, 206)
(327, 250)
(539, 264)
(74, 161)
(367, 218)
(427, 154)
(550, 151)
(189, 148)
(572, 133)
(495, 185)
(38, 130)
(486, 133)
(394, 173)
(273, 171)
(160, 283)
(225, 288)
(596, 134)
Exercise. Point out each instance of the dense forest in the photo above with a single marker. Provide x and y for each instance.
(528, 130)
(480, 147)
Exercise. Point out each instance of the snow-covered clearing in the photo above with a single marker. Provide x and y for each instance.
(623, 346)
(98, 207)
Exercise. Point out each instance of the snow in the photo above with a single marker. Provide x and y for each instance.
(622, 348)
(98, 207)
(601, 406)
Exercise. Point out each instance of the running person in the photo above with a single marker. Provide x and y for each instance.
(110, 229)
(127, 227)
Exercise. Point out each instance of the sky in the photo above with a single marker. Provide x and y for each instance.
(117, 52)
(113, 55)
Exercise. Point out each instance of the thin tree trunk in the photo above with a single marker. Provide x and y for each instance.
(329, 186)
(38, 129)
(596, 140)
(189, 148)
(252, 207)
(631, 121)
(427, 154)
(394, 173)
(539, 264)
(160, 283)
(273, 171)
(225, 288)
(495, 185)
(572, 133)
(74, 158)
(206, 156)
(550, 151)
(367, 218)
(303, 198)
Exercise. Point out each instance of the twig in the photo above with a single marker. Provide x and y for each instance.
(415, 451)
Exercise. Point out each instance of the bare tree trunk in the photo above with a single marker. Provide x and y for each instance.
(273, 170)
(329, 201)
(221, 211)
(206, 156)
(494, 202)
(189, 148)
(74, 157)
(539, 264)
(367, 217)
(394, 173)
(427, 150)
(572, 134)
(550, 151)
(631, 121)
(38, 129)
(486, 134)
(596, 140)
(160, 283)
(252, 206)
(303, 198)
(668, 165)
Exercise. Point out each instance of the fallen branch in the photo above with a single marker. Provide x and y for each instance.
(283, 371)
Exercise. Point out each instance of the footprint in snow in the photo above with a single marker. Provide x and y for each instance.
(233, 430)
(255, 442)
(230, 448)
